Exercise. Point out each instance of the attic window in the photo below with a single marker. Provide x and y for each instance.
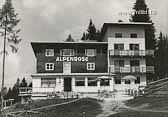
(49, 52)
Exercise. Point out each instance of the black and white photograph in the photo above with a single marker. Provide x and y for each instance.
(83, 58)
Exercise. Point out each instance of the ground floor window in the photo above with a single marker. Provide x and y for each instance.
(79, 81)
(117, 80)
(92, 81)
(137, 81)
(48, 82)
(104, 82)
(127, 81)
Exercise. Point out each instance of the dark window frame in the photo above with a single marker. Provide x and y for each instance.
(118, 35)
(133, 35)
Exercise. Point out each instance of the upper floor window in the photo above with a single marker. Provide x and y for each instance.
(49, 52)
(134, 46)
(90, 66)
(118, 46)
(119, 63)
(67, 52)
(90, 52)
(49, 66)
(118, 35)
(133, 35)
(134, 63)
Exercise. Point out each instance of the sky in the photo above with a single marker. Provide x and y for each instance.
(54, 20)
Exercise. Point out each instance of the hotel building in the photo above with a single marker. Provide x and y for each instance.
(81, 67)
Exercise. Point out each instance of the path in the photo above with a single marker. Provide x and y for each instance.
(110, 107)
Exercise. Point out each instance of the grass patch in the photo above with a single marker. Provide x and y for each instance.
(139, 114)
(153, 102)
(81, 108)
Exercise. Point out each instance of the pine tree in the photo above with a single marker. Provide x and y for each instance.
(92, 32)
(161, 56)
(9, 32)
(83, 36)
(15, 90)
(70, 39)
(23, 83)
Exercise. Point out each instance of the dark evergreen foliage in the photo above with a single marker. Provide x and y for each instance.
(23, 83)
(70, 39)
(161, 57)
(92, 33)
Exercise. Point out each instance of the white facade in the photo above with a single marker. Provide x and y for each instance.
(126, 30)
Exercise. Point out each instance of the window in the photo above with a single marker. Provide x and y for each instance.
(67, 52)
(118, 46)
(119, 63)
(134, 46)
(118, 35)
(104, 82)
(48, 82)
(117, 80)
(127, 81)
(49, 52)
(133, 35)
(92, 81)
(90, 66)
(79, 81)
(134, 62)
(49, 66)
(137, 81)
(90, 52)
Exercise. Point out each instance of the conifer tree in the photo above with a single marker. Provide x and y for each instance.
(70, 39)
(23, 83)
(83, 36)
(161, 56)
(9, 33)
(92, 32)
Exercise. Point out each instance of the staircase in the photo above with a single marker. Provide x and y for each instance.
(157, 88)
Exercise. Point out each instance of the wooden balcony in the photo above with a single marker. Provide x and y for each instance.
(136, 69)
(141, 53)
(25, 91)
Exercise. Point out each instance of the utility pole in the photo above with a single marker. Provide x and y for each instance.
(3, 66)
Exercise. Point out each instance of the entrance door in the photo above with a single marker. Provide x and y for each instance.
(67, 84)
(67, 67)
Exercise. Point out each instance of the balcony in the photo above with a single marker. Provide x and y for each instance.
(131, 53)
(136, 69)
(25, 91)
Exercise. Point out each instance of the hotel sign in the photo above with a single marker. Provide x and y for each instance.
(72, 59)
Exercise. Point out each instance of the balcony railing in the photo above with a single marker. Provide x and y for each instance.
(25, 90)
(131, 53)
(135, 69)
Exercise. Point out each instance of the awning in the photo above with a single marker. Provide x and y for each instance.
(104, 78)
(129, 77)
